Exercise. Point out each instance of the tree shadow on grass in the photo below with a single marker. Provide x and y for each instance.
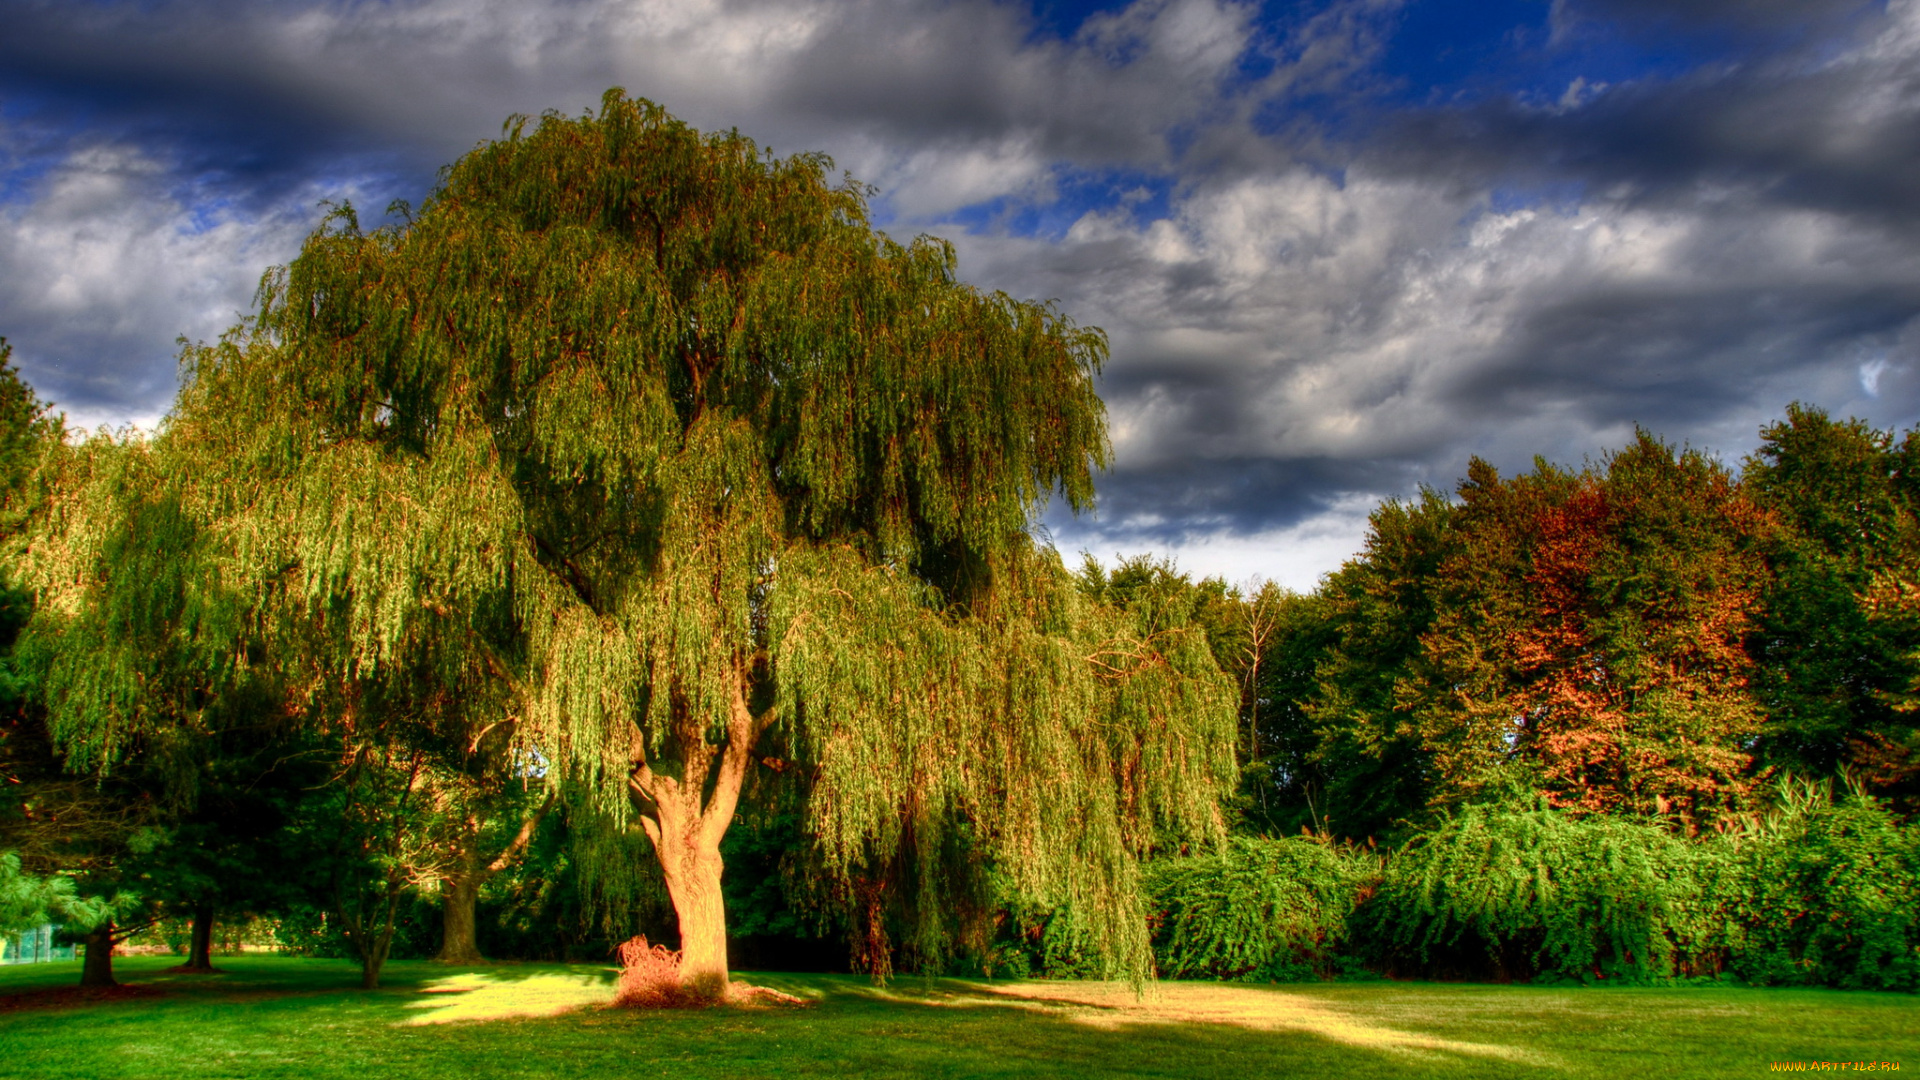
(1228, 1011)
(259, 978)
(68, 997)
(950, 1028)
(1214, 1021)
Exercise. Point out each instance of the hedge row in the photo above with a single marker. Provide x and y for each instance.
(1821, 892)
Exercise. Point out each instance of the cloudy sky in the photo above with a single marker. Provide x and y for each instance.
(1340, 246)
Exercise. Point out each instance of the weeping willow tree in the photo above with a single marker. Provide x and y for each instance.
(691, 476)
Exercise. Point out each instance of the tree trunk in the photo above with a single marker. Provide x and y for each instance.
(374, 949)
(369, 929)
(370, 965)
(693, 883)
(685, 822)
(98, 969)
(459, 896)
(200, 946)
(460, 890)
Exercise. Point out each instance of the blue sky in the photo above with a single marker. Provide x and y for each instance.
(1339, 246)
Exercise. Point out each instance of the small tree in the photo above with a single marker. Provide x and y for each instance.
(655, 445)
(83, 828)
(472, 853)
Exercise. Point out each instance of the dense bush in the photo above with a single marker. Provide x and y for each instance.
(1525, 892)
(1260, 909)
(1830, 896)
(1049, 943)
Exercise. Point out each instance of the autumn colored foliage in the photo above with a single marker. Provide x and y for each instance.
(1626, 671)
(1583, 635)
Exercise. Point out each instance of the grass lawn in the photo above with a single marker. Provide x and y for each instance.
(274, 1017)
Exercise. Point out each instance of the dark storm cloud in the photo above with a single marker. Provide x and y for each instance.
(1687, 252)
(1510, 277)
(1840, 134)
(1180, 501)
(1665, 358)
(193, 91)
(292, 87)
(143, 142)
(1770, 21)
(107, 255)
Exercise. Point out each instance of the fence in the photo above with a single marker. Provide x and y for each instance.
(36, 946)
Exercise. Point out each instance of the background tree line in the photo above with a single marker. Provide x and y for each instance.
(1650, 635)
(1643, 720)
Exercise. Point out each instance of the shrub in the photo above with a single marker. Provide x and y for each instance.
(1520, 892)
(305, 930)
(1830, 894)
(1032, 941)
(650, 978)
(1259, 910)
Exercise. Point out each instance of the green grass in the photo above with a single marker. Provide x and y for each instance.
(272, 1017)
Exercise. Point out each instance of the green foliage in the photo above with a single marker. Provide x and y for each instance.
(1259, 910)
(135, 645)
(306, 930)
(1583, 634)
(765, 885)
(1525, 891)
(1830, 894)
(1269, 641)
(29, 432)
(1836, 660)
(28, 429)
(236, 850)
(27, 900)
(1038, 943)
(1817, 891)
(580, 891)
(1284, 782)
(1377, 772)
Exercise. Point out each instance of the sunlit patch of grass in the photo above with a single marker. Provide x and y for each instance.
(1257, 1008)
(490, 995)
(1116, 1006)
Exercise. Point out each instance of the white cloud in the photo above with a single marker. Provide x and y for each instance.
(1321, 305)
(1295, 557)
(1293, 316)
(105, 258)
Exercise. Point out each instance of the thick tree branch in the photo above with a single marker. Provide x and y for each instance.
(569, 573)
(743, 732)
(521, 839)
